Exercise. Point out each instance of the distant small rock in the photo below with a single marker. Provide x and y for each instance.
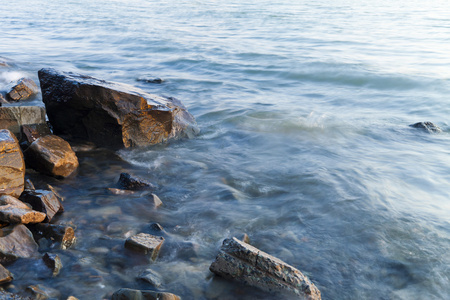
(156, 80)
(145, 243)
(53, 262)
(24, 88)
(428, 126)
(151, 277)
(155, 201)
(64, 235)
(131, 182)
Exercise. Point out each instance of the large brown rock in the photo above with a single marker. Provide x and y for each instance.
(24, 88)
(12, 166)
(51, 155)
(17, 215)
(43, 201)
(111, 114)
(15, 117)
(16, 241)
(244, 263)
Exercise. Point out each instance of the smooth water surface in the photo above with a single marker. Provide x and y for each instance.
(304, 109)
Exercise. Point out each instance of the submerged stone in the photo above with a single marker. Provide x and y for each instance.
(151, 277)
(244, 263)
(111, 114)
(130, 294)
(134, 183)
(53, 262)
(145, 243)
(428, 126)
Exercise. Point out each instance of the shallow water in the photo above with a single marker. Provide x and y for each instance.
(305, 145)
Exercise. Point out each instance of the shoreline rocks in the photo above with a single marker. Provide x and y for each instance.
(242, 262)
(111, 114)
(12, 165)
(23, 89)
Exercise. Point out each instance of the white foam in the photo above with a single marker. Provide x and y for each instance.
(10, 76)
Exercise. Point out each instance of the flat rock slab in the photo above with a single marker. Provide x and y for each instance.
(244, 263)
(145, 243)
(17, 215)
(24, 88)
(12, 165)
(111, 114)
(130, 294)
(51, 155)
(42, 201)
(5, 275)
(16, 241)
(14, 117)
(64, 235)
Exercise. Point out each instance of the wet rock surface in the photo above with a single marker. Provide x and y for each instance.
(427, 126)
(133, 183)
(16, 215)
(151, 277)
(145, 243)
(111, 114)
(61, 234)
(24, 88)
(5, 276)
(43, 201)
(12, 166)
(51, 155)
(14, 117)
(242, 262)
(130, 294)
(53, 262)
(16, 241)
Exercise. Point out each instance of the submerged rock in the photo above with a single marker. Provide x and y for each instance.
(428, 126)
(111, 114)
(24, 88)
(10, 296)
(51, 155)
(43, 201)
(134, 183)
(53, 262)
(16, 241)
(12, 165)
(145, 243)
(64, 235)
(41, 292)
(244, 263)
(151, 277)
(130, 294)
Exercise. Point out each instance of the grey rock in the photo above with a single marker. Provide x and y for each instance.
(12, 201)
(151, 277)
(24, 88)
(111, 114)
(145, 243)
(427, 126)
(16, 241)
(130, 294)
(155, 201)
(14, 117)
(12, 165)
(244, 263)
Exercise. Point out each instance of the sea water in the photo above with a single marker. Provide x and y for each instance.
(304, 109)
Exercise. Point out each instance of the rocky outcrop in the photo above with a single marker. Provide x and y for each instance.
(24, 88)
(43, 201)
(63, 235)
(51, 155)
(14, 117)
(145, 243)
(12, 166)
(427, 126)
(111, 114)
(16, 241)
(130, 294)
(247, 264)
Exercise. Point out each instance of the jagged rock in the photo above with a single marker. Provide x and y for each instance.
(428, 126)
(12, 166)
(5, 276)
(145, 243)
(111, 114)
(41, 292)
(14, 117)
(130, 294)
(151, 277)
(16, 215)
(12, 201)
(245, 238)
(57, 194)
(53, 262)
(244, 263)
(29, 185)
(131, 182)
(65, 235)
(51, 155)
(32, 132)
(16, 241)
(155, 201)
(156, 227)
(24, 88)
(43, 201)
